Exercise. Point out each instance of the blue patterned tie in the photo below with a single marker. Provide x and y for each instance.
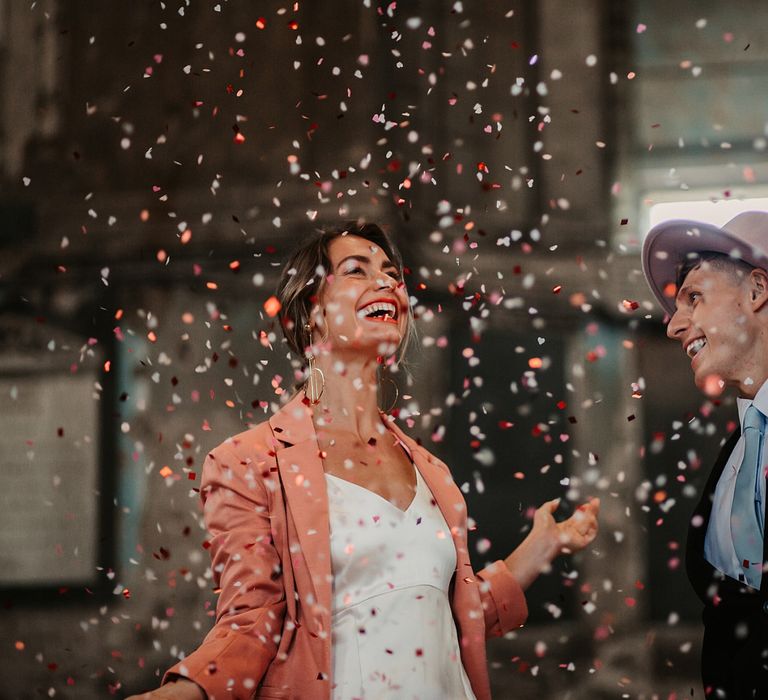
(746, 516)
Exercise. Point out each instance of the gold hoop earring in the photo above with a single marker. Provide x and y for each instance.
(314, 386)
(397, 392)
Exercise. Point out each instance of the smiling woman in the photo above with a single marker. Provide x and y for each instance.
(339, 544)
(351, 255)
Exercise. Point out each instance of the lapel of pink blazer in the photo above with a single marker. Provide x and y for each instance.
(440, 482)
(301, 471)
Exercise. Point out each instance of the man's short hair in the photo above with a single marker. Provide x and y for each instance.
(737, 269)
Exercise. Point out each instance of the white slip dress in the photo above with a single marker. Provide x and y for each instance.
(393, 634)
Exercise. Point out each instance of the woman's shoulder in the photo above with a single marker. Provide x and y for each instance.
(254, 444)
(414, 445)
(289, 423)
(434, 459)
(244, 462)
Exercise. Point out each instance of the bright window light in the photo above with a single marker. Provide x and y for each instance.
(710, 212)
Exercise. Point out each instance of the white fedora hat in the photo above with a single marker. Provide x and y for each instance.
(670, 244)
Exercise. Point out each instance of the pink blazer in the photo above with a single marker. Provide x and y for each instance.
(266, 508)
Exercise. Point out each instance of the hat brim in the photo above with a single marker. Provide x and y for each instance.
(670, 243)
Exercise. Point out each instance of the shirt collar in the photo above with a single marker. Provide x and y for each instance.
(760, 401)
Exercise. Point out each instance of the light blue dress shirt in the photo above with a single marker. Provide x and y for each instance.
(718, 543)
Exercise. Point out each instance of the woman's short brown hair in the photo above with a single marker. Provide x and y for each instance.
(304, 273)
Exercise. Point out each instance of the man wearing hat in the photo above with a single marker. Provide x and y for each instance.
(713, 284)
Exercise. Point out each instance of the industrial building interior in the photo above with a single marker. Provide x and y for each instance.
(159, 160)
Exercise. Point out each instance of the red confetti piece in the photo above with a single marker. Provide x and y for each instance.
(272, 306)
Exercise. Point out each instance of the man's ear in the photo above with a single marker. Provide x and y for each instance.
(758, 289)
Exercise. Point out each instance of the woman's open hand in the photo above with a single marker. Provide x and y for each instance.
(578, 531)
(548, 538)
